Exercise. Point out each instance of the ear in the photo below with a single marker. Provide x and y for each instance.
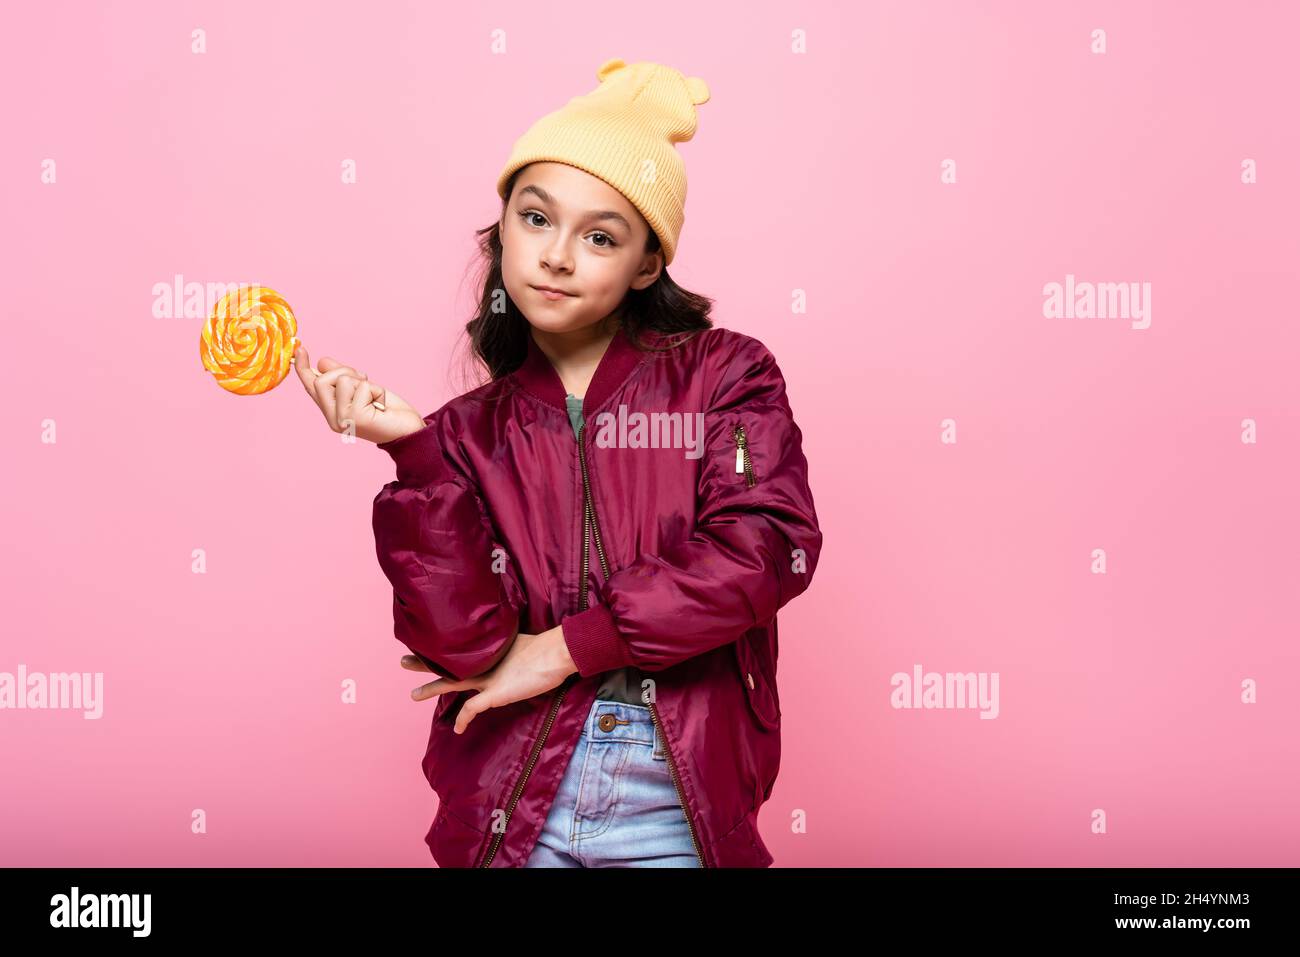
(651, 267)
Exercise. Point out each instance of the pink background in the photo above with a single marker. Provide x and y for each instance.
(816, 171)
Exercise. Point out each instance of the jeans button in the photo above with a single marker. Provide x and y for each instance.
(607, 722)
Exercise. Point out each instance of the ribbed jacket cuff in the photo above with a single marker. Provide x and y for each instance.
(417, 454)
(594, 642)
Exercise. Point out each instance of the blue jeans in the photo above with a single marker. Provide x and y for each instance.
(616, 806)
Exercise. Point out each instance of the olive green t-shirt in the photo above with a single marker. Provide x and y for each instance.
(621, 684)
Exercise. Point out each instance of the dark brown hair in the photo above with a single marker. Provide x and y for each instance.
(498, 332)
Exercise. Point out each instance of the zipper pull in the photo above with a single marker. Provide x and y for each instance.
(743, 464)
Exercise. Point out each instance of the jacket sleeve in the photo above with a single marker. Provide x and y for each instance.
(457, 600)
(753, 549)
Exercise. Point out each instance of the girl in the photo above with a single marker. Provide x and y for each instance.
(590, 549)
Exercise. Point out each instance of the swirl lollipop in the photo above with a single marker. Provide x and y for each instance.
(249, 340)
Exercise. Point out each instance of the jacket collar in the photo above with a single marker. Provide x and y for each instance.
(538, 376)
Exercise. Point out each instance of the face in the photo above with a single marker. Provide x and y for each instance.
(572, 231)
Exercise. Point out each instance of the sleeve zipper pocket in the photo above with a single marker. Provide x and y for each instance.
(743, 462)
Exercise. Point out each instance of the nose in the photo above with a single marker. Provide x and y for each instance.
(555, 255)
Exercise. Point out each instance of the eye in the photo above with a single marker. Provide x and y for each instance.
(527, 214)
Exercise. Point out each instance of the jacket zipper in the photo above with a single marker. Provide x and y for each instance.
(590, 530)
(528, 769)
(743, 464)
(590, 522)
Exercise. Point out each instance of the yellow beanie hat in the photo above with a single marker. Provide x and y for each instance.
(623, 132)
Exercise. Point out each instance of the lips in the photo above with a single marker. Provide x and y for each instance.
(550, 291)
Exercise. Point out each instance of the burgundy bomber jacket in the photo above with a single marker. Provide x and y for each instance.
(665, 538)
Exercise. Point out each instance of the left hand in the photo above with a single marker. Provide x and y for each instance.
(534, 665)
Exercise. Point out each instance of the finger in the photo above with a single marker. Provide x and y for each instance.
(464, 718)
(302, 365)
(432, 689)
(412, 663)
(364, 397)
(331, 378)
(345, 387)
(472, 706)
(324, 390)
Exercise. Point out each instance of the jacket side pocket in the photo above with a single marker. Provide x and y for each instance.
(758, 678)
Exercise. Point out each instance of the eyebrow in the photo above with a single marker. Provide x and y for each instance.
(600, 214)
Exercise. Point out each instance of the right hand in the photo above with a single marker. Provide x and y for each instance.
(345, 395)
